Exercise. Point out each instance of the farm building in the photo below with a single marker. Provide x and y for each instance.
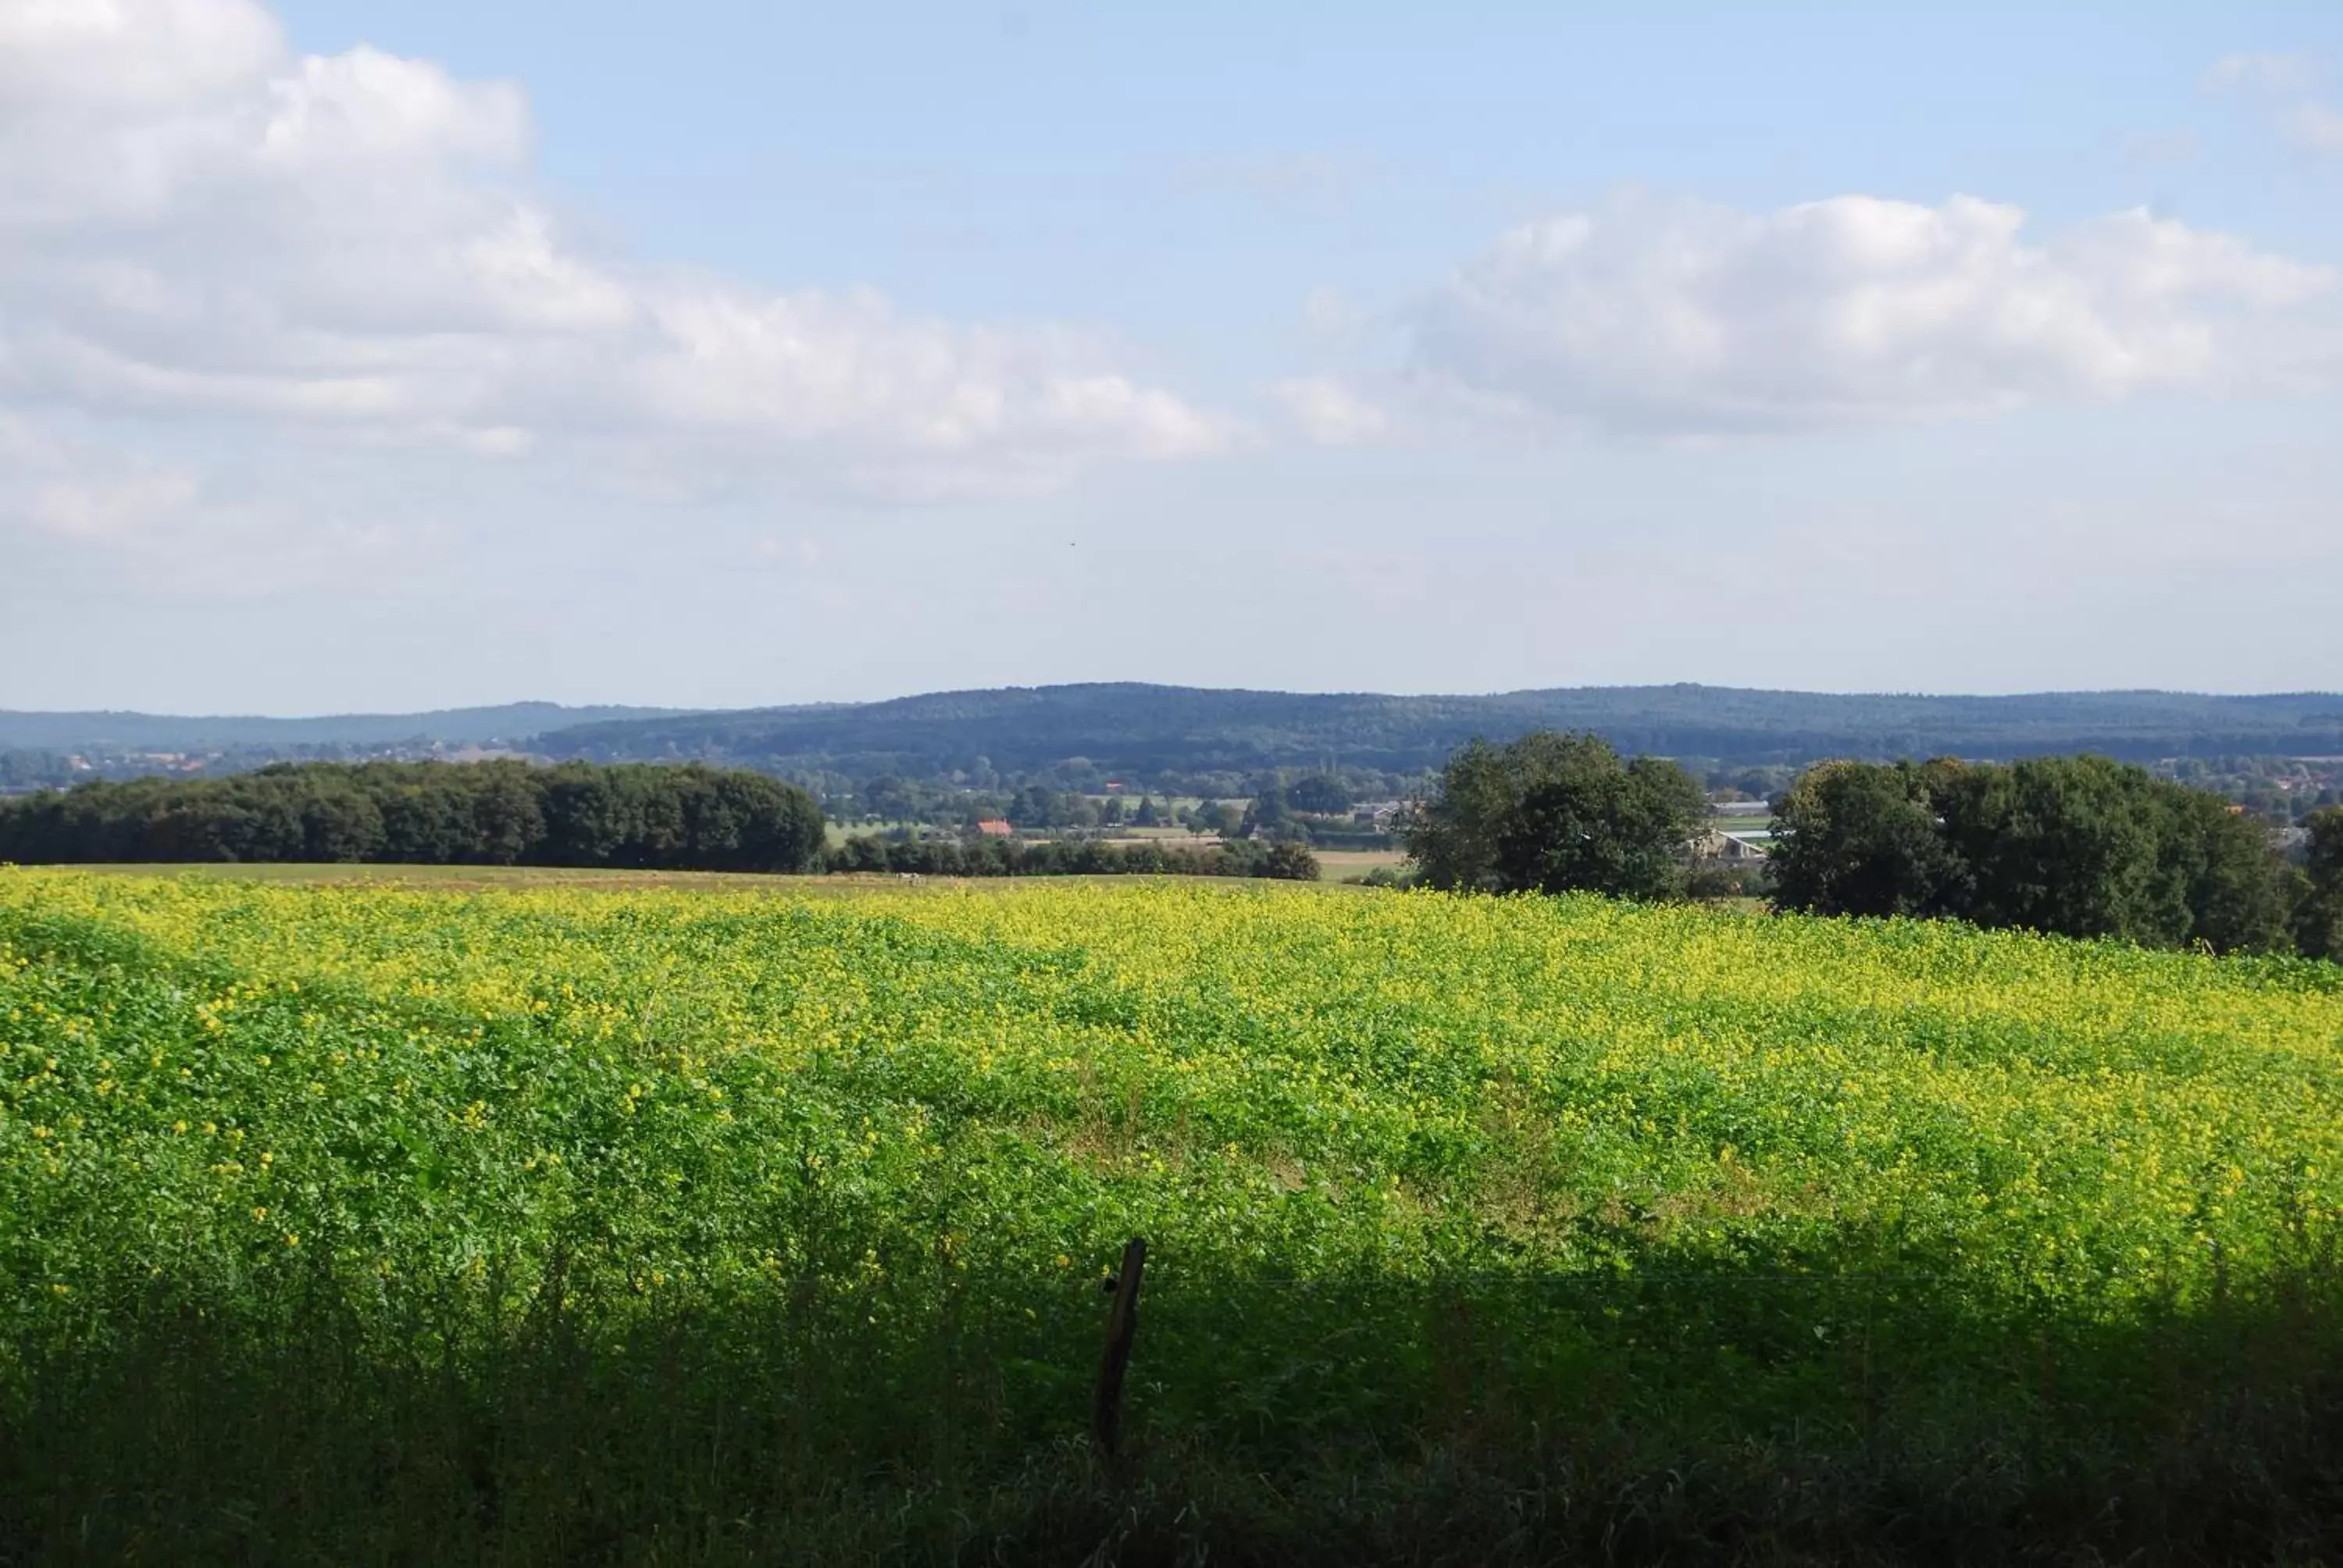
(1732, 848)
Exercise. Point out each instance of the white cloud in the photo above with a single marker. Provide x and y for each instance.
(1330, 413)
(2286, 82)
(1677, 317)
(195, 222)
(73, 490)
(159, 528)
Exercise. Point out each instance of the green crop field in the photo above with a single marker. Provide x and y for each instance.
(392, 1222)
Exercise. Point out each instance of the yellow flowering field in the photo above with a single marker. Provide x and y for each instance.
(1391, 1151)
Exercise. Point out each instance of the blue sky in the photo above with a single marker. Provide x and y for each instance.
(361, 356)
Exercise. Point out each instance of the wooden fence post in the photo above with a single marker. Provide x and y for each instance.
(1121, 1324)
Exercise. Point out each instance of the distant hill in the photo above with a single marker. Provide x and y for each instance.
(1145, 730)
(510, 722)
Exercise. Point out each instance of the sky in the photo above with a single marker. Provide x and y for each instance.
(360, 355)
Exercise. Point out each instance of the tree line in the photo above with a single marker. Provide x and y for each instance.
(1067, 856)
(2076, 846)
(2081, 846)
(498, 813)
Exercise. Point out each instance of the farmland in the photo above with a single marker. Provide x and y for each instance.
(741, 1221)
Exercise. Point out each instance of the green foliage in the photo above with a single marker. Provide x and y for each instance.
(2318, 916)
(2080, 846)
(1290, 859)
(1557, 813)
(890, 798)
(1856, 840)
(362, 1224)
(492, 813)
(1036, 807)
(1266, 815)
(1320, 793)
(1709, 879)
(1221, 816)
(990, 857)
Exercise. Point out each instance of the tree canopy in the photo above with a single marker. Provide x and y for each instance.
(2080, 846)
(2319, 916)
(1554, 812)
(638, 816)
(1321, 794)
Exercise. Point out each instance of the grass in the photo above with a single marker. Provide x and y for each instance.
(1337, 865)
(520, 1218)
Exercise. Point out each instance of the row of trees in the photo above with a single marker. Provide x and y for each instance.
(1039, 808)
(1059, 856)
(2077, 845)
(499, 813)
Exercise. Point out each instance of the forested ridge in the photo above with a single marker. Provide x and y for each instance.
(1136, 725)
(508, 722)
(1146, 730)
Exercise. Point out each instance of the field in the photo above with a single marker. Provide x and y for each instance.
(746, 1222)
(1335, 865)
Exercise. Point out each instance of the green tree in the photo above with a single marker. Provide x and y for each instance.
(2233, 880)
(1292, 862)
(2318, 914)
(505, 818)
(1034, 807)
(1266, 816)
(1553, 812)
(2072, 845)
(1859, 839)
(1321, 794)
(1220, 817)
(341, 823)
(891, 799)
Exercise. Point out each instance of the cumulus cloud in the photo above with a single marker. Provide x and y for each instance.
(1677, 316)
(195, 221)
